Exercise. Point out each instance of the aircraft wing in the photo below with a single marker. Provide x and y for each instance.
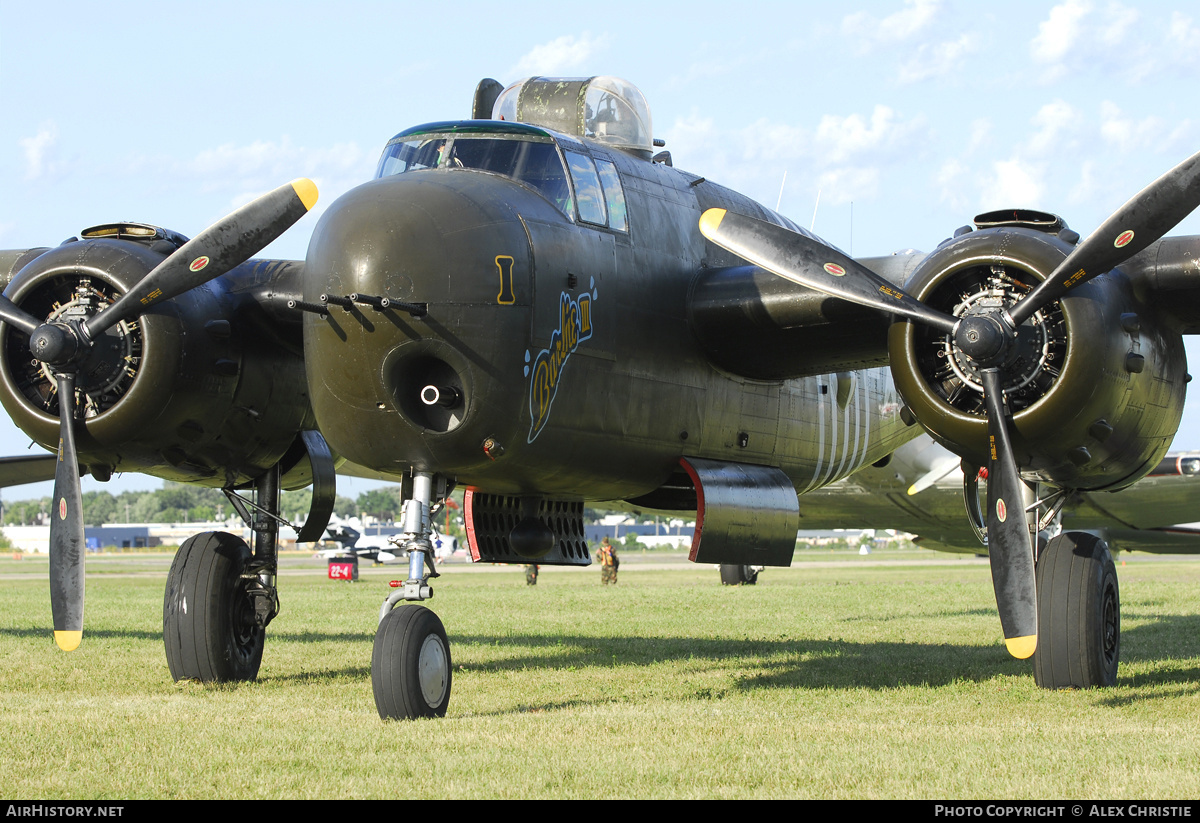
(34, 468)
(1154, 515)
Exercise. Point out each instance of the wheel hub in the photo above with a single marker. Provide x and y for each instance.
(1109, 626)
(431, 670)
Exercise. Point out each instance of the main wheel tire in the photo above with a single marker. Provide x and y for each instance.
(410, 665)
(734, 575)
(1079, 614)
(208, 616)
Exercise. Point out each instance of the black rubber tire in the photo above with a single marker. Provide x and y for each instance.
(208, 629)
(1079, 614)
(411, 646)
(734, 575)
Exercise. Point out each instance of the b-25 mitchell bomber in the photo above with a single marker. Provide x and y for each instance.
(533, 305)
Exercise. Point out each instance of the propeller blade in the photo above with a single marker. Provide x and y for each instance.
(1148, 215)
(943, 468)
(66, 528)
(810, 263)
(1008, 536)
(14, 315)
(223, 245)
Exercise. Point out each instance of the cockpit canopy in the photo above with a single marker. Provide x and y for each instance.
(606, 109)
(520, 152)
(581, 186)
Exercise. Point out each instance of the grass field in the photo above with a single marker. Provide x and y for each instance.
(859, 680)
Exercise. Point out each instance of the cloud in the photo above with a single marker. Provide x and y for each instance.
(839, 139)
(1078, 37)
(870, 30)
(1057, 123)
(846, 157)
(242, 172)
(560, 56)
(39, 152)
(270, 158)
(1182, 34)
(950, 179)
(848, 183)
(1122, 132)
(937, 60)
(1118, 22)
(1012, 183)
(1060, 31)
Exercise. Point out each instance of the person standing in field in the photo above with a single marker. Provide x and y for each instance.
(606, 555)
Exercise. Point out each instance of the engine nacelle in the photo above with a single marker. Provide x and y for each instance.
(1095, 385)
(197, 389)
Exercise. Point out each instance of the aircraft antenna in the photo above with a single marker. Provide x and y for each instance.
(781, 184)
(813, 225)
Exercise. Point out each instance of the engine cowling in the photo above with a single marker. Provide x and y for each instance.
(1095, 385)
(197, 389)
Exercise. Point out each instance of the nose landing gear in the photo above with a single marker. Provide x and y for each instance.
(410, 662)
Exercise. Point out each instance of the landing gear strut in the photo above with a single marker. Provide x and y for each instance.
(410, 663)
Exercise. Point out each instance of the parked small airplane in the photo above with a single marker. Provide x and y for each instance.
(354, 539)
(534, 305)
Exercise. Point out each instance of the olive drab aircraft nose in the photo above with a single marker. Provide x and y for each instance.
(424, 385)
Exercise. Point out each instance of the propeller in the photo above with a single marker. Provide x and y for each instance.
(64, 347)
(986, 339)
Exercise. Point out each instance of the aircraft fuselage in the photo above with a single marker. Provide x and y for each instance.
(545, 338)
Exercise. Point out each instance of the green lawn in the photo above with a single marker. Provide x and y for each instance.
(860, 681)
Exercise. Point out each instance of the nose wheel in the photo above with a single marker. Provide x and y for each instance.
(410, 665)
(410, 662)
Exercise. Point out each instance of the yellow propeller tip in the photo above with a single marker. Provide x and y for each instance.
(710, 221)
(912, 490)
(1021, 647)
(306, 190)
(68, 641)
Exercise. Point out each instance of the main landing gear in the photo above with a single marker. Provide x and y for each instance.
(1079, 614)
(410, 663)
(209, 626)
(735, 575)
(220, 597)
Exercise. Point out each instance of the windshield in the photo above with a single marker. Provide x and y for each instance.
(535, 163)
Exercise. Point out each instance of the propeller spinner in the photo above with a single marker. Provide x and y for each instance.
(63, 346)
(985, 340)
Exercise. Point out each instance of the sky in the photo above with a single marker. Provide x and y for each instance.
(884, 125)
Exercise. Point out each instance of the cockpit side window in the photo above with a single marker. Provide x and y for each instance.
(410, 155)
(589, 196)
(614, 195)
